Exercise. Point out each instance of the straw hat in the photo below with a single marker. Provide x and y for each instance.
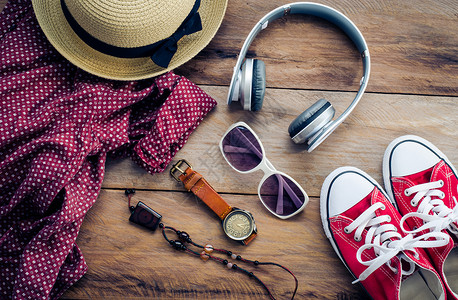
(129, 40)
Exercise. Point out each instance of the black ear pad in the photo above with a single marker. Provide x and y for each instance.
(313, 117)
(258, 85)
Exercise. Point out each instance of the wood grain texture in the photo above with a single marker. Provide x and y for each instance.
(125, 261)
(360, 141)
(413, 90)
(413, 46)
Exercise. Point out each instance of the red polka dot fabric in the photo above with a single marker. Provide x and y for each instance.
(57, 126)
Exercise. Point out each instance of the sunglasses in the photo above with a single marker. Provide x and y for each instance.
(278, 192)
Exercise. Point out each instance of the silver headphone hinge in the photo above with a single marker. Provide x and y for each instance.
(287, 10)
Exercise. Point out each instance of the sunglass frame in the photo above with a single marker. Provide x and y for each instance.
(266, 166)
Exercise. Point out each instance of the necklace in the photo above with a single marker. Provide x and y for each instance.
(206, 254)
(147, 217)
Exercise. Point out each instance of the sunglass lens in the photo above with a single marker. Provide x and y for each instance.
(281, 195)
(242, 149)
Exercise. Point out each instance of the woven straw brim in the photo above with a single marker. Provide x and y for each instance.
(56, 28)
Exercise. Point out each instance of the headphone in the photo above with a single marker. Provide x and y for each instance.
(248, 82)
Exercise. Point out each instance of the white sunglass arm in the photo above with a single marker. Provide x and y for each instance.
(249, 147)
(268, 169)
(282, 186)
(253, 147)
(281, 183)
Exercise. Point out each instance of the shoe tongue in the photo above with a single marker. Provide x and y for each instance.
(360, 207)
(421, 177)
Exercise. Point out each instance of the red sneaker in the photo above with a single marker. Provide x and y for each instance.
(424, 185)
(364, 230)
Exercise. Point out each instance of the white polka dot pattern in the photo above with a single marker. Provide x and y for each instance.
(57, 125)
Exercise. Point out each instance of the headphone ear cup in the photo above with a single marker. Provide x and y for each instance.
(252, 84)
(245, 83)
(258, 87)
(311, 121)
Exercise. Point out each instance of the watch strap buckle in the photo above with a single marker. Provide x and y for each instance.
(177, 170)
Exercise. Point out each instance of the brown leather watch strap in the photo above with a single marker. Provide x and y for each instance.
(195, 183)
(250, 238)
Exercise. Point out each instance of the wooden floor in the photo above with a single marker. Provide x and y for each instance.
(413, 89)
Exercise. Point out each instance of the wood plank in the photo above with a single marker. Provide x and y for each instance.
(125, 261)
(360, 141)
(412, 44)
(413, 89)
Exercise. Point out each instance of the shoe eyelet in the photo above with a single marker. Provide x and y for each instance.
(383, 207)
(441, 182)
(389, 219)
(358, 239)
(442, 196)
(346, 230)
(406, 192)
(413, 203)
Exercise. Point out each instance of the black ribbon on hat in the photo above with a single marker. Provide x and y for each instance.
(161, 52)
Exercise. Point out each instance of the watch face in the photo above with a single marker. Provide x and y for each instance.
(238, 225)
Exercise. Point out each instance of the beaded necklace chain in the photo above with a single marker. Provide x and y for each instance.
(205, 255)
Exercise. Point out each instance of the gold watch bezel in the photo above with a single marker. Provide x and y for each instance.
(250, 218)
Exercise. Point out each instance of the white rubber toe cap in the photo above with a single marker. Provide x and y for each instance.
(410, 155)
(348, 186)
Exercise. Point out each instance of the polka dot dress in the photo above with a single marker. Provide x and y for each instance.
(57, 126)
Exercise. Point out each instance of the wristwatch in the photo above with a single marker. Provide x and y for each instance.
(238, 224)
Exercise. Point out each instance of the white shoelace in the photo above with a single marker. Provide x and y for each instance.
(435, 214)
(387, 242)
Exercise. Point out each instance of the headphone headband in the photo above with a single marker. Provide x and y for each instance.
(331, 15)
